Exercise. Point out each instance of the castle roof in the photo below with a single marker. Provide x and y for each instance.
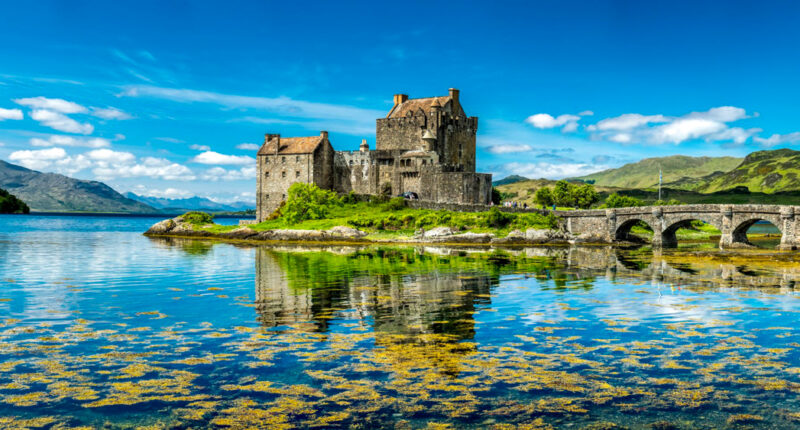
(291, 145)
(415, 105)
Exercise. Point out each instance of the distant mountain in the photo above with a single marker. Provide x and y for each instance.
(676, 170)
(10, 204)
(51, 192)
(190, 204)
(763, 171)
(509, 180)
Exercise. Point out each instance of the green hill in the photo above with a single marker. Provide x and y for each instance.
(677, 169)
(509, 180)
(763, 171)
(51, 192)
(10, 204)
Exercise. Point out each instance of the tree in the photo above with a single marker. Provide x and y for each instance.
(562, 195)
(308, 201)
(544, 197)
(584, 196)
(617, 201)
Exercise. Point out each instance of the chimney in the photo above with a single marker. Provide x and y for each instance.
(324, 134)
(400, 98)
(364, 146)
(277, 138)
(454, 96)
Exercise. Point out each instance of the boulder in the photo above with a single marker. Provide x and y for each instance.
(162, 227)
(239, 233)
(587, 238)
(545, 236)
(464, 238)
(438, 232)
(346, 232)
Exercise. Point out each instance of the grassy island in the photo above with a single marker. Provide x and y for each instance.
(311, 208)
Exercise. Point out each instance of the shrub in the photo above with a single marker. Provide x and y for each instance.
(544, 196)
(617, 201)
(197, 217)
(308, 201)
(497, 219)
(497, 196)
(396, 204)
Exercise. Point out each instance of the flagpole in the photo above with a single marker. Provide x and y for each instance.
(659, 183)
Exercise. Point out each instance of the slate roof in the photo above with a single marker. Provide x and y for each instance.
(414, 105)
(291, 145)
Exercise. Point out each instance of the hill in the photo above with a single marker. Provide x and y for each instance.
(51, 192)
(676, 170)
(10, 204)
(509, 180)
(189, 204)
(763, 171)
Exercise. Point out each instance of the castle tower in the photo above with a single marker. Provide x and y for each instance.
(443, 117)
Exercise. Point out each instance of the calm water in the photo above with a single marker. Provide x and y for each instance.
(102, 326)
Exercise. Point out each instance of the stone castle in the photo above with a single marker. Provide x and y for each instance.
(425, 146)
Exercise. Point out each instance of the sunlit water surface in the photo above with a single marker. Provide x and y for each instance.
(102, 326)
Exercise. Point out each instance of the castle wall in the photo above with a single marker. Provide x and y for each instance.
(399, 133)
(458, 146)
(355, 171)
(458, 187)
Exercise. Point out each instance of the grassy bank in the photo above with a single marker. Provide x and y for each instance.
(392, 219)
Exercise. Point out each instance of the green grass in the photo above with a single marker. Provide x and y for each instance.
(381, 221)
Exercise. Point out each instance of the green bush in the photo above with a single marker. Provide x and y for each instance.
(566, 194)
(308, 201)
(497, 219)
(197, 217)
(617, 201)
(396, 204)
(10, 204)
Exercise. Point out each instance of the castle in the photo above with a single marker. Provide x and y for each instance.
(425, 146)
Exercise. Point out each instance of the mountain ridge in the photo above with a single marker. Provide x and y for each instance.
(53, 192)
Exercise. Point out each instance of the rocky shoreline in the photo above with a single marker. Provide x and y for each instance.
(178, 227)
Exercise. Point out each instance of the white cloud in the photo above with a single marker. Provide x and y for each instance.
(37, 159)
(55, 105)
(777, 139)
(509, 148)
(551, 170)
(711, 126)
(586, 113)
(169, 193)
(60, 122)
(248, 146)
(104, 163)
(110, 113)
(197, 147)
(626, 121)
(10, 114)
(219, 174)
(211, 157)
(169, 139)
(544, 120)
(58, 140)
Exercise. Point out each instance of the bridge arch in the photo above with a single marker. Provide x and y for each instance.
(623, 232)
(669, 236)
(739, 234)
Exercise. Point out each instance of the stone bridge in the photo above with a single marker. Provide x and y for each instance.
(732, 220)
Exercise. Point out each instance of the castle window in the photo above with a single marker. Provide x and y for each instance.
(362, 162)
(266, 160)
(297, 174)
(266, 174)
(283, 159)
(351, 162)
(283, 174)
(283, 196)
(297, 158)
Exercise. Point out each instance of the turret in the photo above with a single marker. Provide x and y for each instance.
(364, 146)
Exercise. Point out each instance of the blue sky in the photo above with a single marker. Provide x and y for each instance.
(171, 98)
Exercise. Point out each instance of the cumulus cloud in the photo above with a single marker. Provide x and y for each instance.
(220, 174)
(711, 125)
(248, 146)
(777, 139)
(509, 148)
(54, 105)
(37, 159)
(551, 170)
(110, 113)
(211, 157)
(6, 114)
(106, 164)
(197, 147)
(58, 121)
(569, 123)
(58, 140)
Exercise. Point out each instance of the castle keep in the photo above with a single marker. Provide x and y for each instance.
(426, 146)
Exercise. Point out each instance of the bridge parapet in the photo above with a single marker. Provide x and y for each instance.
(732, 221)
